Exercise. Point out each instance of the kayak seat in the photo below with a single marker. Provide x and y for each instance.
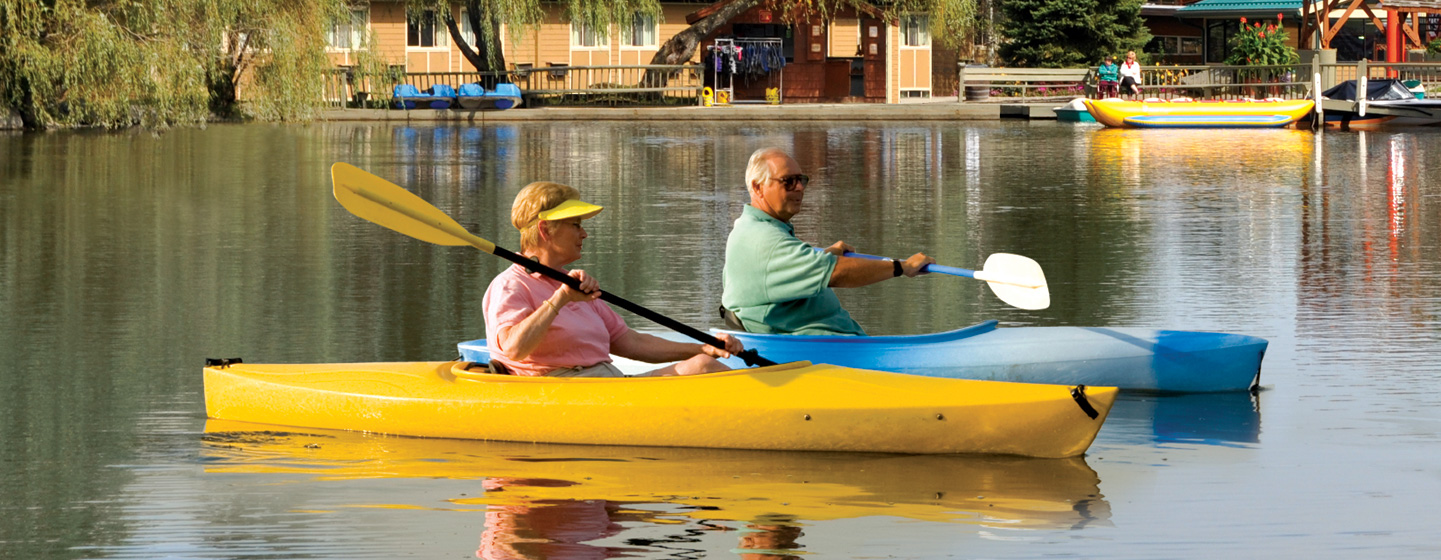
(732, 322)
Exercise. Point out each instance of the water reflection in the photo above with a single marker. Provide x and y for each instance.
(544, 500)
(1226, 419)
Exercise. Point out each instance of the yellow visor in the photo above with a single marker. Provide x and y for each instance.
(571, 209)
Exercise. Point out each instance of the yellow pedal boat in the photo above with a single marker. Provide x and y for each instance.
(1115, 112)
(796, 406)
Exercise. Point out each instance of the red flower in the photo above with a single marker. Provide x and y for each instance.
(1263, 34)
(1243, 21)
(1278, 17)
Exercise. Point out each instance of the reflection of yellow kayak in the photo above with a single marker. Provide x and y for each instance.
(1114, 112)
(717, 484)
(795, 406)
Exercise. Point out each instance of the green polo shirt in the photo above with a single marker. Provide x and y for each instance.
(776, 283)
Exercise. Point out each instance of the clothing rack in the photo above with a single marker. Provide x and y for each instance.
(747, 57)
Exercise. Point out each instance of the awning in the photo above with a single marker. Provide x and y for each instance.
(1225, 9)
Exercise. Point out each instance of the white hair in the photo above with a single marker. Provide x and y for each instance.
(758, 169)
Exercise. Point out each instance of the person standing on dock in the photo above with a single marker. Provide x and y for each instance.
(1108, 75)
(1131, 75)
(776, 283)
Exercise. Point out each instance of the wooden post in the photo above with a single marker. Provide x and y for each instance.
(1361, 72)
(960, 81)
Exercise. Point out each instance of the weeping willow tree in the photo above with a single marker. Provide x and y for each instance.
(162, 62)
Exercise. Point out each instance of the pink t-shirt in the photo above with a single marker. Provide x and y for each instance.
(580, 336)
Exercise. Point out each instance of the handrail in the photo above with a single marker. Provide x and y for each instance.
(624, 83)
(1288, 81)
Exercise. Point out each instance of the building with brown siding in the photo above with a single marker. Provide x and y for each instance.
(853, 57)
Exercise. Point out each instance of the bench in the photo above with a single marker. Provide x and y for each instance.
(1024, 78)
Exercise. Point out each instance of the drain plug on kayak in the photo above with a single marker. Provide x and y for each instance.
(808, 418)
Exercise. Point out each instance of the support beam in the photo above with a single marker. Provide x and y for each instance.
(1331, 33)
(1393, 40)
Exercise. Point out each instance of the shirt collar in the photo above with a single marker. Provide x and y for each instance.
(760, 215)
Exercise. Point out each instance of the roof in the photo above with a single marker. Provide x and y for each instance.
(1238, 8)
(1427, 5)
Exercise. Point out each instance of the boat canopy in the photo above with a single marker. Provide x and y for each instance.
(1376, 90)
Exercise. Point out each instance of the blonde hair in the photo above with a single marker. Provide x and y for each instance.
(758, 169)
(535, 198)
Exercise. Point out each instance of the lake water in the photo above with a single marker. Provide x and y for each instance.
(127, 258)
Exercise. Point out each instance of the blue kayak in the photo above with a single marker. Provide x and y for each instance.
(1129, 358)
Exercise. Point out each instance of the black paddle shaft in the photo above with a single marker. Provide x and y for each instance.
(750, 356)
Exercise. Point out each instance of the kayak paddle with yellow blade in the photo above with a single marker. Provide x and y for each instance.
(389, 205)
(1015, 279)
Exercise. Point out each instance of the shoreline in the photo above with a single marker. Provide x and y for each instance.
(934, 111)
(930, 110)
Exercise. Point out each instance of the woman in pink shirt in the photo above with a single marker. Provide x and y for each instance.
(538, 326)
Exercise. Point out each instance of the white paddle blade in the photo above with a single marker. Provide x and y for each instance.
(1016, 280)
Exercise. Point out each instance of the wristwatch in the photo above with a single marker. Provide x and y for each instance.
(898, 269)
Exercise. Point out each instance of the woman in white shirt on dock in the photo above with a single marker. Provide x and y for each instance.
(1131, 75)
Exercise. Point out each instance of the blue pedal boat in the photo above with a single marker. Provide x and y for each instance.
(1135, 359)
(504, 96)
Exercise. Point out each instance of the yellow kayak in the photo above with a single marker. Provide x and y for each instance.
(739, 485)
(1115, 112)
(796, 406)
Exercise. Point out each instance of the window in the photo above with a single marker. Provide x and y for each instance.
(582, 35)
(916, 30)
(466, 31)
(426, 32)
(1191, 45)
(347, 34)
(1164, 45)
(642, 31)
(1168, 45)
(1218, 39)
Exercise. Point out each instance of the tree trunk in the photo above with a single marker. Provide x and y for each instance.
(483, 57)
(681, 47)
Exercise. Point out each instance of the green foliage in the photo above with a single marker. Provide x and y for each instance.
(1262, 44)
(1070, 33)
(162, 62)
(1434, 47)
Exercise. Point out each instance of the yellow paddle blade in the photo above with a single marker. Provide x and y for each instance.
(1016, 280)
(389, 205)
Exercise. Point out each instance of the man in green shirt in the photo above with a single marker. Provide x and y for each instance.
(776, 283)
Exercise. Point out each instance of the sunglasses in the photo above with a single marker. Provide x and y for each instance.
(793, 182)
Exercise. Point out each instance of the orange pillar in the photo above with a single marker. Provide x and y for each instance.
(1395, 50)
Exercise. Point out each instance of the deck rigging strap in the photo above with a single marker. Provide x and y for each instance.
(1079, 393)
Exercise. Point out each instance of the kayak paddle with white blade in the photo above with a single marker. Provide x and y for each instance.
(387, 204)
(1016, 280)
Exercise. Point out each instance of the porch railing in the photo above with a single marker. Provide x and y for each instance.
(551, 85)
(1288, 81)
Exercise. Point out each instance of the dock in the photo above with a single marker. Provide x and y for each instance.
(940, 110)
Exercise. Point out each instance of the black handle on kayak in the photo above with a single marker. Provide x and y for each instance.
(750, 356)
